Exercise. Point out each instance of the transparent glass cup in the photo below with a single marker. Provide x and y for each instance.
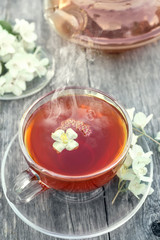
(113, 25)
(37, 179)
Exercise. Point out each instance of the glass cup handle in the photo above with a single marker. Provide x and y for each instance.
(26, 186)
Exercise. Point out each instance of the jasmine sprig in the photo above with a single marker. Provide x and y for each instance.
(140, 120)
(133, 173)
(120, 189)
(143, 133)
(20, 61)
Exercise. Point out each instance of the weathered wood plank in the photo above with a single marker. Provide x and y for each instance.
(3, 9)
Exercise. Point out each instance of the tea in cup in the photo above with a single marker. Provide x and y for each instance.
(74, 140)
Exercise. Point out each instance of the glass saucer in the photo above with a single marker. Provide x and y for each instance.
(34, 86)
(70, 216)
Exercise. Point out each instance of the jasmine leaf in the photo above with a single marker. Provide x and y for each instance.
(4, 69)
(6, 26)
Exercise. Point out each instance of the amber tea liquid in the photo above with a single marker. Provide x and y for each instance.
(102, 135)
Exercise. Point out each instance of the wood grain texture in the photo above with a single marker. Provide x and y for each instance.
(132, 77)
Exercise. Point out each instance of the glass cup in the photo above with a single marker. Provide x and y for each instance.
(113, 25)
(37, 178)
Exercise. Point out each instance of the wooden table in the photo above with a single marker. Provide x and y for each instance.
(132, 77)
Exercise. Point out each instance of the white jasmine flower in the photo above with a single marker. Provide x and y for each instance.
(64, 140)
(137, 154)
(8, 77)
(26, 76)
(1, 91)
(31, 62)
(29, 46)
(16, 90)
(135, 151)
(128, 162)
(2, 81)
(141, 120)
(22, 68)
(41, 68)
(20, 84)
(136, 187)
(8, 87)
(6, 43)
(0, 68)
(134, 139)
(146, 179)
(125, 173)
(134, 167)
(6, 58)
(158, 136)
(19, 48)
(139, 169)
(140, 160)
(22, 62)
(5, 83)
(9, 84)
(26, 30)
(130, 112)
(16, 64)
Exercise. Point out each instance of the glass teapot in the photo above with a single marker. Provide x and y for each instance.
(105, 24)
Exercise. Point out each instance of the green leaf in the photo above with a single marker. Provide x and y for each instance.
(6, 26)
(4, 69)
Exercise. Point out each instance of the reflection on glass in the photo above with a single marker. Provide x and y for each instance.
(105, 24)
